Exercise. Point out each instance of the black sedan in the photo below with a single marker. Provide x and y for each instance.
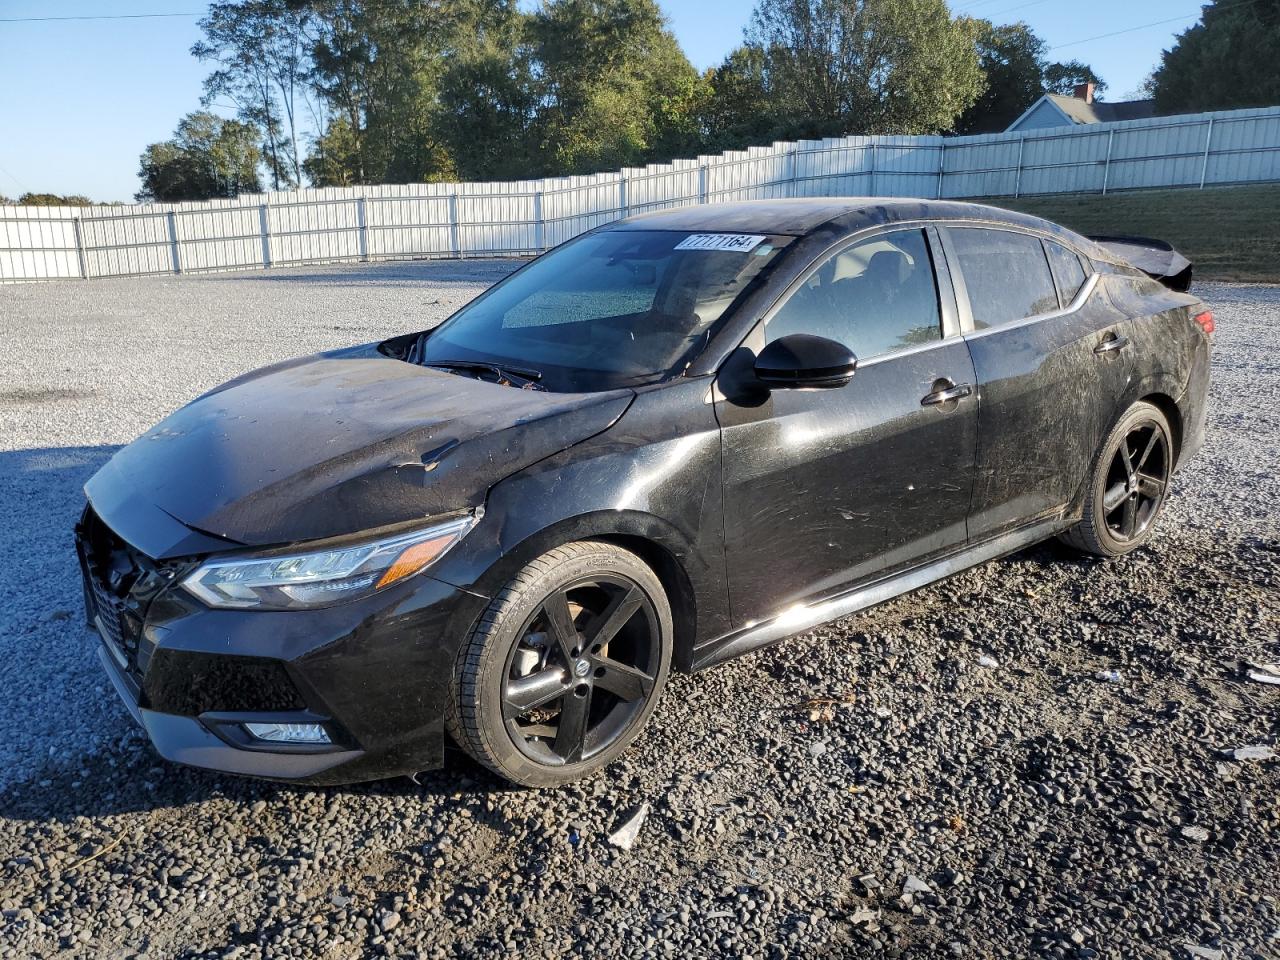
(670, 441)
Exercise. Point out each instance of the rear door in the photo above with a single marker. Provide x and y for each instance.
(1051, 361)
(827, 488)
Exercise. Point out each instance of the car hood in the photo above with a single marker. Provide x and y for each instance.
(328, 446)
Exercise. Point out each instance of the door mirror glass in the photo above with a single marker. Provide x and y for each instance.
(805, 362)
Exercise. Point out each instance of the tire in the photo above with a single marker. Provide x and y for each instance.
(539, 638)
(1126, 494)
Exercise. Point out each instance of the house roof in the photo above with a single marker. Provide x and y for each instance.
(1100, 111)
(1076, 111)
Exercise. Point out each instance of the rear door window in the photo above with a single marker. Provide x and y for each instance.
(1068, 271)
(1006, 273)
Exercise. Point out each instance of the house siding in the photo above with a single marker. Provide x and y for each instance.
(1043, 116)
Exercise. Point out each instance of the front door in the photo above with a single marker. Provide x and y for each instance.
(825, 489)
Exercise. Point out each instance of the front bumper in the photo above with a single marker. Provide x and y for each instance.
(375, 672)
(188, 741)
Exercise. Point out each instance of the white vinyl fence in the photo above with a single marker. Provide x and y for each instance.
(525, 217)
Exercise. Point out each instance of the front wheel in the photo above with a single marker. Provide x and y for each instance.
(1127, 486)
(565, 666)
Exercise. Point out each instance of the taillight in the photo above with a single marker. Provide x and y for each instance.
(1206, 321)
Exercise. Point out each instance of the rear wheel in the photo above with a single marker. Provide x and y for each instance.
(1128, 485)
(565, 666)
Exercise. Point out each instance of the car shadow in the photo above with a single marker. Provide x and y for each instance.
(130, 777)
(1055, 554)
(70, 748)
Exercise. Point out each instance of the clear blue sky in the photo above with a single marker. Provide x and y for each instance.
(80, 99)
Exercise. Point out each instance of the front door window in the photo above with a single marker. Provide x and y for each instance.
(875, 297)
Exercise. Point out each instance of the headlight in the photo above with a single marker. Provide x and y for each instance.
(321, 578)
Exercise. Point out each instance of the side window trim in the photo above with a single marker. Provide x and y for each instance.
(1048, 265)
(948, 297)
(1085, 263)
(1053, 274)
(1086, 268)
(950, 327)
(963, 306)
(1085, 292)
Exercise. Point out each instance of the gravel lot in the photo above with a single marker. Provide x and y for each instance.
(966, 748)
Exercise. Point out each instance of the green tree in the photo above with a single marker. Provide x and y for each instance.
(737, 112)
(261, 49)
(834, 67)
(334, 159)
(1226, 61)
(1063, 78)
(377, 64)
(615, 89)
(208, 157)
(1012, 61)
(52, 200)
(488, 92)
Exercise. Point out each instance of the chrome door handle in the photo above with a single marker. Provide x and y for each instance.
(1111, 345)
(946, 394)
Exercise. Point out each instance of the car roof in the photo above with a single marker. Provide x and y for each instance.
(801, 216)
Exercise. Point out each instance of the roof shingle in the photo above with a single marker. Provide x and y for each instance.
(1101, 111)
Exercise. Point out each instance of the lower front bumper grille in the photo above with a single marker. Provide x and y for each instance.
(113, 574)
(189, 684)
(114, 624)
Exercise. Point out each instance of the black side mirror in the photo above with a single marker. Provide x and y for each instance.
(805, 362)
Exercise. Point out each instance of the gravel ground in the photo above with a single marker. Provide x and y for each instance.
(957, 744)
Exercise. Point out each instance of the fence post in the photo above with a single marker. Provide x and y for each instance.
(702, 183)
(793, 170)
(1208, 142)
(1017, 179)
(264, 227)
(455, 235)
(1106, 172)
(539, 231)
(624, 209)
(942, 165)
(172, 222)
(80, 257)
(362, 230)
(871, 190)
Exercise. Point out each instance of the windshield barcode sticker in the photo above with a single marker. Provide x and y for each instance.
(729, 242)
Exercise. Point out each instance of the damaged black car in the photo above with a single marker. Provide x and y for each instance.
(666, 443)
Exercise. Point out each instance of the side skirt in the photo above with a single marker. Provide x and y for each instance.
(804, 617)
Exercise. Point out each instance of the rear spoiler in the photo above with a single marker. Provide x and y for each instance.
(1155, 258)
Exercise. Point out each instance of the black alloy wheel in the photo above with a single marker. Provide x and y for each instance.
(582, 671)
(565, 667)
(1136, 481)
(1128, 484)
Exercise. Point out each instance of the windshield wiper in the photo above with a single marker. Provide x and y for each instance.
(522, 377)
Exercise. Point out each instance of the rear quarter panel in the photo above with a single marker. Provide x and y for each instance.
(1170, 354)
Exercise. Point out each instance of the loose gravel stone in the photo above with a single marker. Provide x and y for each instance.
(1042, 811)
